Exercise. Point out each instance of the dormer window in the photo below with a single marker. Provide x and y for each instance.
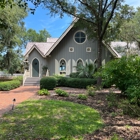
(80, 37)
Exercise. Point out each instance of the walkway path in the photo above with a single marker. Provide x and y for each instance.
(20, 94)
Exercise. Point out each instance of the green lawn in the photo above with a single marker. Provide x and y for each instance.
(49, 119)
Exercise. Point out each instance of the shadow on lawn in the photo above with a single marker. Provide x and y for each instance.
(49, 119)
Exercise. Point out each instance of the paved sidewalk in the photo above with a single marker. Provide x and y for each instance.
(20, 94)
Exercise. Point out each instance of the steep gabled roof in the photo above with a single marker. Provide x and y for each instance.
(61, 37)
(41, 47)
(47, 47)
(112, 51)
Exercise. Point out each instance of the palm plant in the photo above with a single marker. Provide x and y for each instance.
(86, 71)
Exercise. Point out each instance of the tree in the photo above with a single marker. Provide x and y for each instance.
(10, 37)
(95, 15)
(130, 29)
(32, 36)
(125, 14)
(11, 3)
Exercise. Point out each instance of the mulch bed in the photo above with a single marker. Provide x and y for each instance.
(124, 126)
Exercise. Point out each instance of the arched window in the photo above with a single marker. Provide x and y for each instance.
(62, 65)
(79, 62)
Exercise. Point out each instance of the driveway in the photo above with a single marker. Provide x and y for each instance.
(20, 94)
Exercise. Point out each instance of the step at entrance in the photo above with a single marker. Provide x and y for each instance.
(32, 81)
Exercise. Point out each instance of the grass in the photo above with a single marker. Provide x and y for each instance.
(49, 119)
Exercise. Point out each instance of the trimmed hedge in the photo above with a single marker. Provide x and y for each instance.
(80, 82)
(62, 81)
(48, 83)
(9, 85)
(75, 82)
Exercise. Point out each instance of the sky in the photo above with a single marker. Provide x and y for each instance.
(55, 25)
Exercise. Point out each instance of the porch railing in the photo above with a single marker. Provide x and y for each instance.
(25, 75)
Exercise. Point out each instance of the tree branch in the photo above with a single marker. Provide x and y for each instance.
(111, 14)
(90, 8)
(74, 14)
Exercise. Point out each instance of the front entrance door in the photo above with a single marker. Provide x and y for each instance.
(35, 68)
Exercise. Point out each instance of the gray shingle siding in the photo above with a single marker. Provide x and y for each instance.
(42, 61)
(62, 51)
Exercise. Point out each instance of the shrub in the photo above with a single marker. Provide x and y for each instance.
(86, 71)
(62, 81)
(80, 82)
(124, 73)
(61, 92)
(132, 110)
(74, 82)
(20, 78)
(112, 99)
(82, 96)
(8, 85)
(133, 93)
(91, 90)
(48, 83)
(115, 137)
(43, 92)
(74, 74)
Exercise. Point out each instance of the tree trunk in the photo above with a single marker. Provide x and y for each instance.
(99, 60)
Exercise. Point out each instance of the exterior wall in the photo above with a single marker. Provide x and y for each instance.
(42, 61)
(106, 55)
(62, 52)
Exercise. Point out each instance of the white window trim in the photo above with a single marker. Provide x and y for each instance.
(81, 60)
(74, 37)
(63, 71)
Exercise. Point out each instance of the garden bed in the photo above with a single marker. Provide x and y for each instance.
(116, 123)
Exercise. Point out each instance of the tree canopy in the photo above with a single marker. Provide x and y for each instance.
(14, 37)
(94, 15)
(32, 36)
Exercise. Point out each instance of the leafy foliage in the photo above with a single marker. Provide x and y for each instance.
(82, 96)
(133, 93)
(124, 73)
(32, 36)
(43, 92)
(48, 83)
(74, 82)
(112, 98)
(128, 108)
(94, 15)
(62, 81)
(91, 90)
(115, 137)
(11, 37)
(61, 92)
(80, 82)
(9, 85)
(129, 31)
(74, 74)
(86, 71)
